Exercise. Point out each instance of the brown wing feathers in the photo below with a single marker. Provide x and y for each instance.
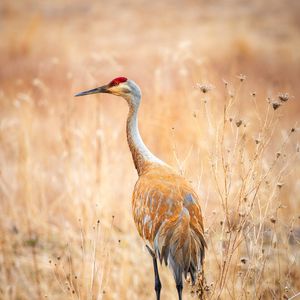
(168, 216)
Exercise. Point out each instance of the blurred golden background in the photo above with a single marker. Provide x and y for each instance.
(66, 174)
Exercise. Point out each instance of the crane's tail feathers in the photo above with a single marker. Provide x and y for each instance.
(180, 247)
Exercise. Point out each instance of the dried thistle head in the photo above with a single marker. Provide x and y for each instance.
(283, 97)
(276, 105)
(238, 123)
(244, 260)
(257, 141)
(204, 88)
(280, 185)
(241, 77)
(225, 82)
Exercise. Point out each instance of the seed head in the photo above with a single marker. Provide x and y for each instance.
(242, 214)
(244, 260)
(238, 123)
(204, 88)
(280, 184)
(283, 97)
(257, 141)
(286, 288)
(206, 288)
(273, 220)
(241, 77)
(231, 94)
(276, 105)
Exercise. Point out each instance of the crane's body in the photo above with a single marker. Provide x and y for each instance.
(168, 216)
(165, 207)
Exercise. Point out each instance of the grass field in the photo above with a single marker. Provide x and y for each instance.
(220, 82)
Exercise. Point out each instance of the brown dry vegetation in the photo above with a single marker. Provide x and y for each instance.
(66, 175)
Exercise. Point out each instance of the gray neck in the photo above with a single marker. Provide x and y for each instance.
(140, 153)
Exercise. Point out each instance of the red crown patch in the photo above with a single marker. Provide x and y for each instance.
(117, 81)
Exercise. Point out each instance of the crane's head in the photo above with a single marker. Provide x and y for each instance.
(119, 86)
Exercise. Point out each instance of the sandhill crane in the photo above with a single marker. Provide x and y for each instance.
(165, 207)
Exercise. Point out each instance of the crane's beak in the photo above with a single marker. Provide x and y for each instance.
(101, 89)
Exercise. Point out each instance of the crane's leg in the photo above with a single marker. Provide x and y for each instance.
(179, 288)
(157, 285)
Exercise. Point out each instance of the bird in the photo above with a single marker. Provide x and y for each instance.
(165, 207)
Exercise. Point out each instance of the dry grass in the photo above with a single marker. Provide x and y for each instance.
(66, 175)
